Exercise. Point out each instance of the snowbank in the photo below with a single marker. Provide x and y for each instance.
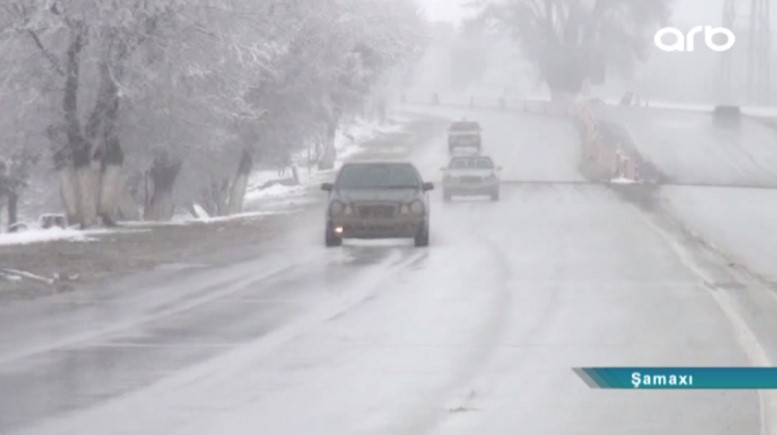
(38, 236)
(348, 142)
(247, 215)
(275, 191)
(186, 219)
(740, 222)
(623, 180)
(50, 235)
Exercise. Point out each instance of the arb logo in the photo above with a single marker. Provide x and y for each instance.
(685, 42)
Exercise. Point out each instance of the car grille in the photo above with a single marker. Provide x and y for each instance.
(377, 210)
(471, 179)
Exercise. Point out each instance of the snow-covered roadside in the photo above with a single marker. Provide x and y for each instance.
(740, 222)
(54, 234)
(348, 142)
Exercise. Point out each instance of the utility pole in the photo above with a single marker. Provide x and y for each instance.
(748, 67)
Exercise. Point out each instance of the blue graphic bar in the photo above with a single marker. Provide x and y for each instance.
(680, 378)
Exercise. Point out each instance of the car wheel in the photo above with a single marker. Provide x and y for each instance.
(495, 195)
(331, 239)
(446, 196)
(422, 238)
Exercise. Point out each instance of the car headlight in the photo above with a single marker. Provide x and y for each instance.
(417, 207)
(404, 209)
(336, 208)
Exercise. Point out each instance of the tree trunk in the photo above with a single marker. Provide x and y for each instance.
(327, 160)
(221, 196)
(74, 156)
(88, 182)
(237, 194)
(161, 207)
(238, 191)
(13, 202)
(68, 191)
(111, 182)
(110, 189)
(104, 150)
(163, 175)
(127, 208)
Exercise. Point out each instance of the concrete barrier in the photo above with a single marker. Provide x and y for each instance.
(610, 158)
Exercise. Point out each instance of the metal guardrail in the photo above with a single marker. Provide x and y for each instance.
(536, 106)
(643, 184)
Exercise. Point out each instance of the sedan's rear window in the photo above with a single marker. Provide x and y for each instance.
(378, 176)
(472, 163)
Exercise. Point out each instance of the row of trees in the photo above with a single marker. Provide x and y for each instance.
(129, 98)
(572, 42)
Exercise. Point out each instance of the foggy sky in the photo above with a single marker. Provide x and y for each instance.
(687, 12)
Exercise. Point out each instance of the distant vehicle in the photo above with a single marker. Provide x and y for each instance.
(628, 99)
(471, 176)
(464, 134)
(727, 115)
(377, 200)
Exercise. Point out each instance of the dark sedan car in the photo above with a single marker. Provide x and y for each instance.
(377, 200)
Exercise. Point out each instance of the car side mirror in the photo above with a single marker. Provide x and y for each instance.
(498, 168)
(327, 187)
(443, 168)
(428, 186)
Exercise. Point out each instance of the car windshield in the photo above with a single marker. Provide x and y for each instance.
(472, 163)
(378, 176)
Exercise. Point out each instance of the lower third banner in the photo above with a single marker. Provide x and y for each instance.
(678, 378)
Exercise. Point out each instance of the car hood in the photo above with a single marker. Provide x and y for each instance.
(376, 195)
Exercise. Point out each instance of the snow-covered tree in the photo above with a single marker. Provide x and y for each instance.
(572, 41)
(157, 90)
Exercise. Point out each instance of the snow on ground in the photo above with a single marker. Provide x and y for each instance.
(768, 112)
(690, 148)
(53, 234)
(740, 222)
(256, 194)
(347, 143)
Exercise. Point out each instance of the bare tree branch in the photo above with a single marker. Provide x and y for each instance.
(46, 53)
